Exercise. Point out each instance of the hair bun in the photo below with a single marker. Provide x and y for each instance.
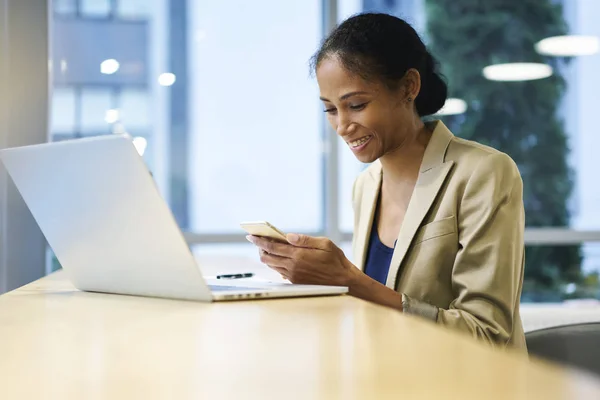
(434, 90)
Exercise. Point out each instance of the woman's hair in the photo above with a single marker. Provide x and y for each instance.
(383, 47)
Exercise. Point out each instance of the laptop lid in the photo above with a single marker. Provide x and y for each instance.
(101, 213)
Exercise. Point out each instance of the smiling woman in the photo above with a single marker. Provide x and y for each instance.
(438, 226)
(383, 83)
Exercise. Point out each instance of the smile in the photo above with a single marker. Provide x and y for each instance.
(359, 142)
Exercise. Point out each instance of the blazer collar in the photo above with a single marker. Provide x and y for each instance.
(435, 152)
(433, 172)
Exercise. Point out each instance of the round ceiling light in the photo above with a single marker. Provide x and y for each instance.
(111, 116)
(568, 46)
(166, 79)
(109, 67)
(517, 71)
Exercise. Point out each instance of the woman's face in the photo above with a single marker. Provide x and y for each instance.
(372, 119)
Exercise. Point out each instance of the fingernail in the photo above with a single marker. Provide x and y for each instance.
(249, 238)
(292, 237)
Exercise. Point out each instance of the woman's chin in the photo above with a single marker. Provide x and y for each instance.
(365, 158)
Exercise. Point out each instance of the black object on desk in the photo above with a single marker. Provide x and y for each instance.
(236, 276)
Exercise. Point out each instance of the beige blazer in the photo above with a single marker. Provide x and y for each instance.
(459, 256)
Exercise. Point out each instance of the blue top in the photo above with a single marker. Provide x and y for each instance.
(379, 257)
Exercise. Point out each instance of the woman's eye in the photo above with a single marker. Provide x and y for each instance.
(358, 107)
(330, 110)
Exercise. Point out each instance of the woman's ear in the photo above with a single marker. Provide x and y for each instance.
(411, 84)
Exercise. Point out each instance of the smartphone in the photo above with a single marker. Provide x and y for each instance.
(264, 229)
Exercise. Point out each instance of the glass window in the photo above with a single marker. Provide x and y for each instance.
(97, 107)
(224, 143)
(135, 9)
(95, 8)
(64, 7)
(531, 120)
(110, 82)
(134, 110)
(552, 276)
(548, 126)
(63, 110)
(255, 143)
(231, 127)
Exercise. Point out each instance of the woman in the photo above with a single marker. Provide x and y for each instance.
(438, 220)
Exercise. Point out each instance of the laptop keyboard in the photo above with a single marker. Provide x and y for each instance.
(220, 288)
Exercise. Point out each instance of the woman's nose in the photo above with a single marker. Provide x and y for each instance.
(345, 127)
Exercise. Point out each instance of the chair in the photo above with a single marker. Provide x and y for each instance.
(575, 345)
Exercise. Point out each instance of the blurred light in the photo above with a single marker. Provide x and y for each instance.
(63, 66)
(517, 71)
(166, 79)
(568, 45)
(140, 144)
(111, 116)
(453, 106)
(570, 288)
(109, 67)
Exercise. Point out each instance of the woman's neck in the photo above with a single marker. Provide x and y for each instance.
(401, 166)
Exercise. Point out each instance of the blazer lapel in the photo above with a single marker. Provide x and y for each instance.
(432, 175)
(368, 205)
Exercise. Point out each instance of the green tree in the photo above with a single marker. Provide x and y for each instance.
(518, 118)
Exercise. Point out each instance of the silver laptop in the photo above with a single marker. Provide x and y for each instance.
(101, 213)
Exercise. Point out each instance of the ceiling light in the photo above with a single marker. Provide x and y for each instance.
(453, 106)
(166, 79)
(517, 71)
(569, 45)
(111, 116)
(109, 67)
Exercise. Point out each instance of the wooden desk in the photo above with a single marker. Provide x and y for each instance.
(58, 343)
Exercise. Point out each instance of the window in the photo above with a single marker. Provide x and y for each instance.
(133, 109)
(220, 97)
(255, 142)
(95, 8)
(65, 7)
(63, 110)
(223, 142)
(556, 283)
(135, 9)
(96, 104)
(557, 160)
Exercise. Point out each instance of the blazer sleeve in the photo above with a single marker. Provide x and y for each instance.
(488, 270)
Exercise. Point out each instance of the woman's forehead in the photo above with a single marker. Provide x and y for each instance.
(334, 79)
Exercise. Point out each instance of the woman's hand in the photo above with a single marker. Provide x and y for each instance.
(306, 260)
(317, 261)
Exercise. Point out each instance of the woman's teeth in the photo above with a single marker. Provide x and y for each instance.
(360, 141)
